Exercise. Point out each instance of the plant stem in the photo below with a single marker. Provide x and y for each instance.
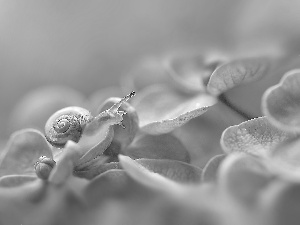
(226, 102)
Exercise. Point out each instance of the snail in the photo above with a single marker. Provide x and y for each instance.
(66, 124)
(69, 123)
(43, 167)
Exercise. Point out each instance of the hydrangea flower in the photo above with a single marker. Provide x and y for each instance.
(261, 171)
(149, 167)
(265, 136)
(186, 78)
(96, 153)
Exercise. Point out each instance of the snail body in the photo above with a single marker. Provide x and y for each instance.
(66, 124)
(69, 124)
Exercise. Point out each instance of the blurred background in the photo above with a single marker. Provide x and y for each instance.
(90, 44)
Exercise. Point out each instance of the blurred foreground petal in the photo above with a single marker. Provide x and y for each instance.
(65, 164)
(242, 177)
(16, 180)
(113, 184)
(281, 203)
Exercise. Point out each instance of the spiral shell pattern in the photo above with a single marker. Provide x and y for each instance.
(66, 124)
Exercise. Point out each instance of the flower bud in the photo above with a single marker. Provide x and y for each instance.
(43, 167)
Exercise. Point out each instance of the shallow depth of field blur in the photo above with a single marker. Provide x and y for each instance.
(90, 45)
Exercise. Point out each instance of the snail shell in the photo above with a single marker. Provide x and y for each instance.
(66, 124)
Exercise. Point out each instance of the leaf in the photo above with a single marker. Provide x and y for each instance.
(209, 172)
(242, 177)
(16, 180)
(150, 179)
(37, 106)
(237, 72)
(191, 71)
(281, 103)
(162, 109)
(122, 136)
(165, 146)
(256, 136)
(22, 150)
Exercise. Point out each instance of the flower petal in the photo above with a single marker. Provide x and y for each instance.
(242, 177)
(162, 109)
(99, 133)
(95, 170)
(209, 172)
(190, 71)
(65, 164)
(256, 136)
(281, 103)
(150, 179)
(37, 106)
(237, 72)
(172, 169)
(122, 136)
(164, 146)
(16, 180)
(201, 136)
(92, 146)
(23, 149)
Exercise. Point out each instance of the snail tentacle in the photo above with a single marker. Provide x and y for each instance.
(110, 116)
